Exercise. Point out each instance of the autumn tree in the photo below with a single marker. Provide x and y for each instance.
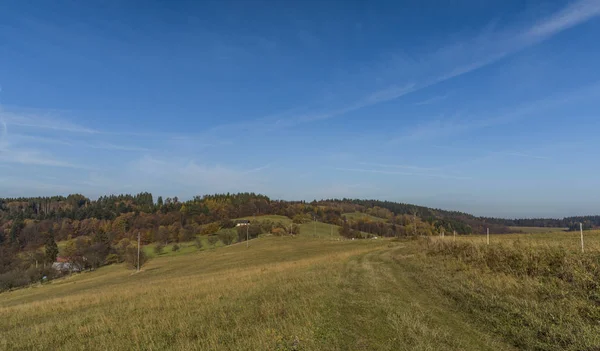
(131, 257)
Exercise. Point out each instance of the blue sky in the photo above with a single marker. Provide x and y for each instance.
(489, 107)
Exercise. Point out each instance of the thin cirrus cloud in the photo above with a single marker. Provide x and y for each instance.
(34, 157)
(24, 156)
(402, 173)
(41, 121)
(446, 63)
(431, 100)
(458, 123)
(470, 55)
(190, 173)
(409, 167)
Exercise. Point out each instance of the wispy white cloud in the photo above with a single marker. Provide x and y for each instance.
(431, 100)
(489, 153)
(521, 154)
(23, 186)
(36, 139)
(3, 134)
(189, 174)
(257, 169)
(414, 168)
(34, 157)
(575, 13)
(379, 171)
(467, 56)
(109, 146)
(37, 121)
(444, 126)
(25, 156)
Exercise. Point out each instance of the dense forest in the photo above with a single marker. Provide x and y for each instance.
(104, 231)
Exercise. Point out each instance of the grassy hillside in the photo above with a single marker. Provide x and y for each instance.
(354, 216)
(305, 293)
(282, 293)
(320, 230)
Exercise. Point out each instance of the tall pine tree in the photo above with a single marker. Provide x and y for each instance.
(50, 248)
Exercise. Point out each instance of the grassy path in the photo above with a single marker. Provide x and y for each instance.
(382, 306)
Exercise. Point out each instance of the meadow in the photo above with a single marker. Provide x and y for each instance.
(311, 293)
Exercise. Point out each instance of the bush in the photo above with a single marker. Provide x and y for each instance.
(175, 248)
(198, 243)
(227, 236)
(210, 228)
(253, 232)
(159, 248)
(227, 223)
(213, 239)
(112, 258)
(188, 233)
(278, 231)
(131, 257)
(13, 279)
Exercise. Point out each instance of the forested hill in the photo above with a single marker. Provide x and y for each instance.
(477, 223)
(105, 230)
(572, 223)
(25, 218)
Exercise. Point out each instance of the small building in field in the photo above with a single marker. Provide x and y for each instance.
(242, 222)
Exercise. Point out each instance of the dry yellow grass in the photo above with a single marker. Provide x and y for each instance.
(568, 240)
(280, 294)
(284, 293)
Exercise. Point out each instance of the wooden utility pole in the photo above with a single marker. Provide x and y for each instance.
(315, 221)
(454, 236)
(581, 231)
(488, 236)
(247, 236)
(138, 260)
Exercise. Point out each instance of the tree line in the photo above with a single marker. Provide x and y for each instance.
(105, 230)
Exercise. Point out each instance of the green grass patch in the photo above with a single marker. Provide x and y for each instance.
(531, 230)
(355, 216)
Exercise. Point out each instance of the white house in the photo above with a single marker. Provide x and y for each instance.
(242, 222)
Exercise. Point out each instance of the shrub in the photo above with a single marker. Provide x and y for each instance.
(252, 231)
(278, 231)
(227, 236)
(213, 239)
(210, 228)
(198, 243)
(227, 223)
(175, 248)
(112, 258)
(13, 279)
(131, 257)
(159, 248)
